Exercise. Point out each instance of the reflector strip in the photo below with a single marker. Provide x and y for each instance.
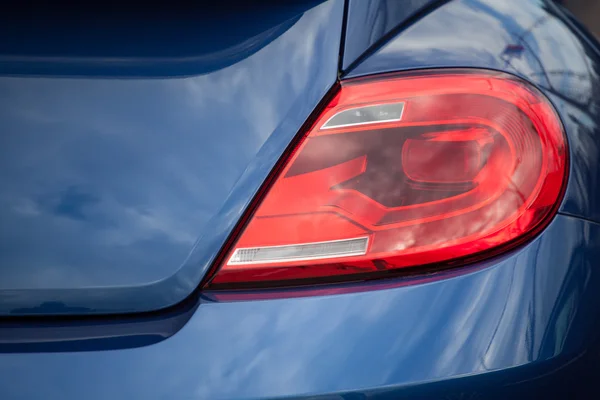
(366, 115)
(297, 252)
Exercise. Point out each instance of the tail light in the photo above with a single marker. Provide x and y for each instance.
(403, 171)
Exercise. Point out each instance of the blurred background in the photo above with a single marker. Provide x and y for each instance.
(588, 12)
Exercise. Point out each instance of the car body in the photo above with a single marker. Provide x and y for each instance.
(159, 156)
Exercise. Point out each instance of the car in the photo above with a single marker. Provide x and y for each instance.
(340, 199)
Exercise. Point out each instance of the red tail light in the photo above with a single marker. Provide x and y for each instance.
(404, 171)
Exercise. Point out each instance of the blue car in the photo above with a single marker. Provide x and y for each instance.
(341, 199)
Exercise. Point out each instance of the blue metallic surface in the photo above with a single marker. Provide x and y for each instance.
(535, 308)
(118, 193)
(523, 325)
(99, 40)
(531, 39)
(50, 333)
(369, 21)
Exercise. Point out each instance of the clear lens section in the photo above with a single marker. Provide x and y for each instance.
(297, 252)
(366, 115)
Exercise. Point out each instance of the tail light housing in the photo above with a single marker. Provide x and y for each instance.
(405, 170)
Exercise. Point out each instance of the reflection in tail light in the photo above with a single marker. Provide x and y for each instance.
(402, 171)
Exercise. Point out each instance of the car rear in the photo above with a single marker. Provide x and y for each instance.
(309, 207)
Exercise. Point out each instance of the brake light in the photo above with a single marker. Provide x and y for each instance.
(402, 171)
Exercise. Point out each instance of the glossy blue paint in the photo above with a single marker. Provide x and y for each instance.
(100, 39)
(368, 21)
(531, 39)
(491, 330)
(118, 193)
(50, 333)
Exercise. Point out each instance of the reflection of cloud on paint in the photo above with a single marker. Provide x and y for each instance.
(250, 87)
(460, 42)
(465, 336)
(300, 327)
(498, 25)
(72, 203)
(138, 226)
(26, 207)
(135, 162)
(285, 333)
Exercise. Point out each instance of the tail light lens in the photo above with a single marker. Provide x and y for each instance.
(403, 171)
